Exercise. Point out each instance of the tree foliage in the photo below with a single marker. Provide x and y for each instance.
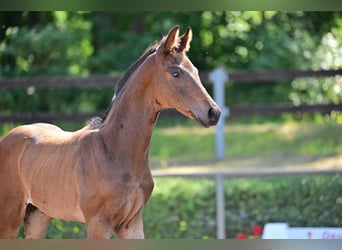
(90, 43)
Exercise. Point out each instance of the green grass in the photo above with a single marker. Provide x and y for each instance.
(195, 144)
(288, 138)
(187, 142)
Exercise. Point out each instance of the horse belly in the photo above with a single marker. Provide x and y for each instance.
(56, 196)
(56, 206)
(50, 184)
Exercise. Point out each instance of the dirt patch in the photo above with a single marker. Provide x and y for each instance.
(276, 161)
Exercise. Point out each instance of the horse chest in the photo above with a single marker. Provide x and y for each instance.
(130, 184)
(132, 201)
(118, 203)
(132, 194)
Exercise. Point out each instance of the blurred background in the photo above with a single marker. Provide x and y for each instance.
(89, 44)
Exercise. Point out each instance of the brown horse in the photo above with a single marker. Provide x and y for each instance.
(100, 174)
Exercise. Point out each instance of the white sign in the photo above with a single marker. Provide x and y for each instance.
(283, 231)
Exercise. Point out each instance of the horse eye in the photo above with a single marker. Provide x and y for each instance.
(175, 73)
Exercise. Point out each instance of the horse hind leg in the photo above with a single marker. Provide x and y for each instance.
(36, 223)
(12, 210)
(10, 225)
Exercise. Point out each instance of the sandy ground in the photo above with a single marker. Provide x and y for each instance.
(241, 166)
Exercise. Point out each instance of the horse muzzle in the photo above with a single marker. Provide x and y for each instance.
(208, 118)
(213, 116)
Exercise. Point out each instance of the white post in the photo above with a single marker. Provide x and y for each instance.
(219, 77)
(220, 217)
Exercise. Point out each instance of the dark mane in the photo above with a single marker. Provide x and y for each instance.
(94, 122)
(121, 82)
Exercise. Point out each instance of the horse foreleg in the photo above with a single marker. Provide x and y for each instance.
(134, 229)
(99, 228)
(36, 223)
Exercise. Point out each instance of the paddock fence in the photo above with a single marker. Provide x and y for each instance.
(240, 76)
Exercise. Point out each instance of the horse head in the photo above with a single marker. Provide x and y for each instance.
(177, 83)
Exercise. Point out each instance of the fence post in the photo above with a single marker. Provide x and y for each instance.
(219, 77)
(220, 217)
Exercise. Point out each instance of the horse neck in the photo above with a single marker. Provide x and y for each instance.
(128, 127)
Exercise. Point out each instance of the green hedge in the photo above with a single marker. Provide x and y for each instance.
(185, 208)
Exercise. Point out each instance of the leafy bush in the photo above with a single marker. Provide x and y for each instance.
(183, 208)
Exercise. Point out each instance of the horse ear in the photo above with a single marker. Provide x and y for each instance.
(171, 41)
(185, 40)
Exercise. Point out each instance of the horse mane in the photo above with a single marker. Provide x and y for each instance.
(121, 82)
(95, 122)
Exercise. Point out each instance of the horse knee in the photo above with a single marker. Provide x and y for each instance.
(98, 228)
(134, 229)
(36, 223)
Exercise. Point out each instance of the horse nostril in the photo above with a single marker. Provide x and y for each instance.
(213, 115)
